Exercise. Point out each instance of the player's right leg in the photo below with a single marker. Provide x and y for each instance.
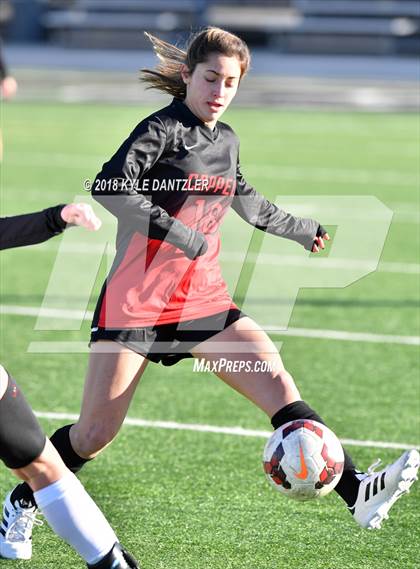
(112, 377)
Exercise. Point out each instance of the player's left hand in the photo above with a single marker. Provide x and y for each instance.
(321, 236)
(81, 214)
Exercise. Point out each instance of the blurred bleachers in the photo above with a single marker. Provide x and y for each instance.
(373, 27)
(119, 23)
(357, 26)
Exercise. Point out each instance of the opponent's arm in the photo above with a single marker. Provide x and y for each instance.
(32, 228)
(8, 84)
(3, 67)
(133, 159)
(255, 209)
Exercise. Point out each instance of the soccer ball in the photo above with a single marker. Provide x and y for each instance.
(303, 459)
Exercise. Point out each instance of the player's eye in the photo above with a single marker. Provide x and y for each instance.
(210, 80)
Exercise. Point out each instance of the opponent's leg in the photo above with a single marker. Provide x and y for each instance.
(4, 381)
(21, 437)
(21, 441)
(112, 377)
(68, 509)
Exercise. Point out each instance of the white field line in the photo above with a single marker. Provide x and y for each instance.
(35, 311)
(322, 263)
(234, 431)
(344, 176)
(325, 174)
(263, 258)
(296, 332)
(344, 336)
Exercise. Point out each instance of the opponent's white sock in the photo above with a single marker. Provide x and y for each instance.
(75, 517)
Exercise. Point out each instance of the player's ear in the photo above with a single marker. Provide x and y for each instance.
(185, 74)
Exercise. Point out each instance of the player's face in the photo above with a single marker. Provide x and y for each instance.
(212, 86)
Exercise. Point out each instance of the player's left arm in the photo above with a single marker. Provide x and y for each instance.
(32, 228)
(256, 210)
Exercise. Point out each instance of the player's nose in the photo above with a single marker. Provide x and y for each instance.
(219, 90)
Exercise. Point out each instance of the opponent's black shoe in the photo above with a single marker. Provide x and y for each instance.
(117, 558)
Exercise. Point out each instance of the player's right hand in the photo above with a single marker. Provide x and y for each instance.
(197, 246)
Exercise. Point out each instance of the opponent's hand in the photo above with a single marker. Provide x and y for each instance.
(321, 235)
(8, 87)
(81, 214)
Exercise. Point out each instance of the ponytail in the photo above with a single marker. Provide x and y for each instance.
(167, 74)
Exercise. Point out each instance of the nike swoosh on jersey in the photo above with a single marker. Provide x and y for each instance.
(190, 147)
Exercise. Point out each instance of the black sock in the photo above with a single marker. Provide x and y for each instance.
(61, 440)
(348, 485)
(24, 495)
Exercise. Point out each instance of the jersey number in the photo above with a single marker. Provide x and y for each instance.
(207, 218)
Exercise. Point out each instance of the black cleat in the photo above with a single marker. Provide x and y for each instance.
(117, 558)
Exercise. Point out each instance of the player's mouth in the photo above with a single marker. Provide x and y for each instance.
(214, 106)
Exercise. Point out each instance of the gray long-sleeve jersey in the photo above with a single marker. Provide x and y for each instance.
(170, 185)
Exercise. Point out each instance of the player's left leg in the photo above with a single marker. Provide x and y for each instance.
(275, 393)
(273, 390)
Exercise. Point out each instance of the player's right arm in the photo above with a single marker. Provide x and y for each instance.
(136, 156)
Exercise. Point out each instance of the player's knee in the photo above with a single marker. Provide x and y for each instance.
(284, 377)
(286, 382)
(89, 442)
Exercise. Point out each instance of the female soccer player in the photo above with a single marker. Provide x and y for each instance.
(66, 505)
(170, 184)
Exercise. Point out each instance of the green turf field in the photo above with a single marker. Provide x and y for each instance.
(185, 499)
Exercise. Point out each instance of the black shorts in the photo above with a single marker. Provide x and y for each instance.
(169, 343)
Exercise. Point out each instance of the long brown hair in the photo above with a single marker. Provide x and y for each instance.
(167, 74)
